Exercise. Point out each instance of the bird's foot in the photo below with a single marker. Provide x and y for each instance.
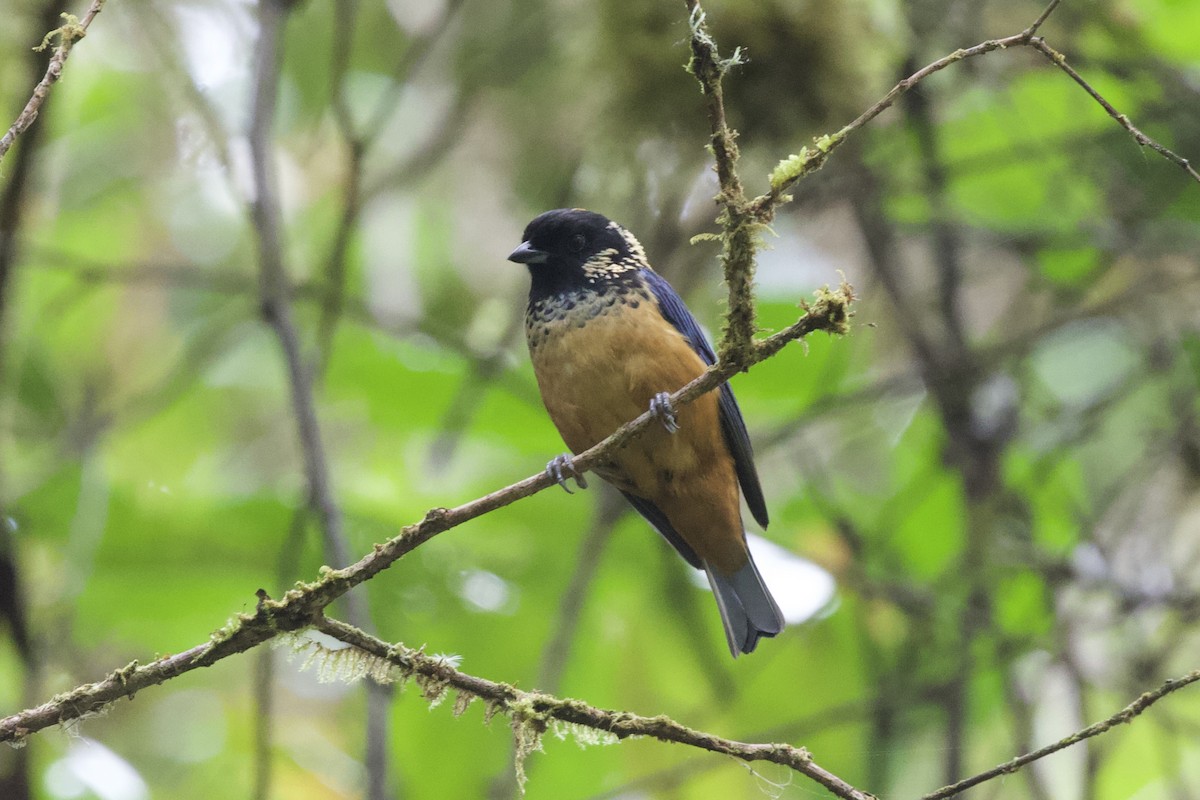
(660, 406)
(561, 468)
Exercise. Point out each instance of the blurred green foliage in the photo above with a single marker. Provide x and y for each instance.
(989, 599)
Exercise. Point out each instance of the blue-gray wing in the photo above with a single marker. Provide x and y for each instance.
(658, 520)
(733, 427)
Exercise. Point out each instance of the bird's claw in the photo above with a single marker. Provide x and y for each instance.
(660, 406)
(561, 468)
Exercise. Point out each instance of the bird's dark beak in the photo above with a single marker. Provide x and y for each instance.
(528, 254)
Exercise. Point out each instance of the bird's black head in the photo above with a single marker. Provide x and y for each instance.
(570, 248)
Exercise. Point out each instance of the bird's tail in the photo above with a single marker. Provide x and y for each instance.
(747, 609)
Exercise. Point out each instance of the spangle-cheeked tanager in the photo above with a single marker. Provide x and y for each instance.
(608, 338)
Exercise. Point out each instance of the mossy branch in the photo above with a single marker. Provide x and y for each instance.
(709, 69)
(740, 230)
(436, 676)
(303, 605)
(531, 713)
(68, 34)
(743, 219)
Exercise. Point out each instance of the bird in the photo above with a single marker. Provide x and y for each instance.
(609, 338)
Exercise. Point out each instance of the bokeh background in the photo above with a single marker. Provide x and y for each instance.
(985, 505)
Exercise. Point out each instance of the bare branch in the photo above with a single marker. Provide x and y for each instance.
(808, 160)
(274, 285)
(275, 291)
(1059, 60)
(1126, 714)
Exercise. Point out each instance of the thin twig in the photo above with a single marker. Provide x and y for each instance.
(709, 69)
(358, 143)
(13, 198)
(1059, 60)
(810, 160)
(1126, 714)
(1037, 23)
(68, 35)
(411, 60)
(335, 271)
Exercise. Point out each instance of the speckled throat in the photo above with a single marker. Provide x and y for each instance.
(550, 315)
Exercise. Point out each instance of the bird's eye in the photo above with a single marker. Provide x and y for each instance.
(576, 243)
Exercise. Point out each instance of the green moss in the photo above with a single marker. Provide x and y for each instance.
(790, 169)
(528, 725)
(71, 31)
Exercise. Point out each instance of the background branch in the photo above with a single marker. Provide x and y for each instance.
(808, 161)
(1125, 715)
(276, 291)
(1059, 60)
(15, 778)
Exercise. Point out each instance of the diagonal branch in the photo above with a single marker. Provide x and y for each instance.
(1126, 714)
(743, 218)
(544, 707)
(809, 160)
(1059, 60)
(303, 605)
(71, 32)
(14, 196)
